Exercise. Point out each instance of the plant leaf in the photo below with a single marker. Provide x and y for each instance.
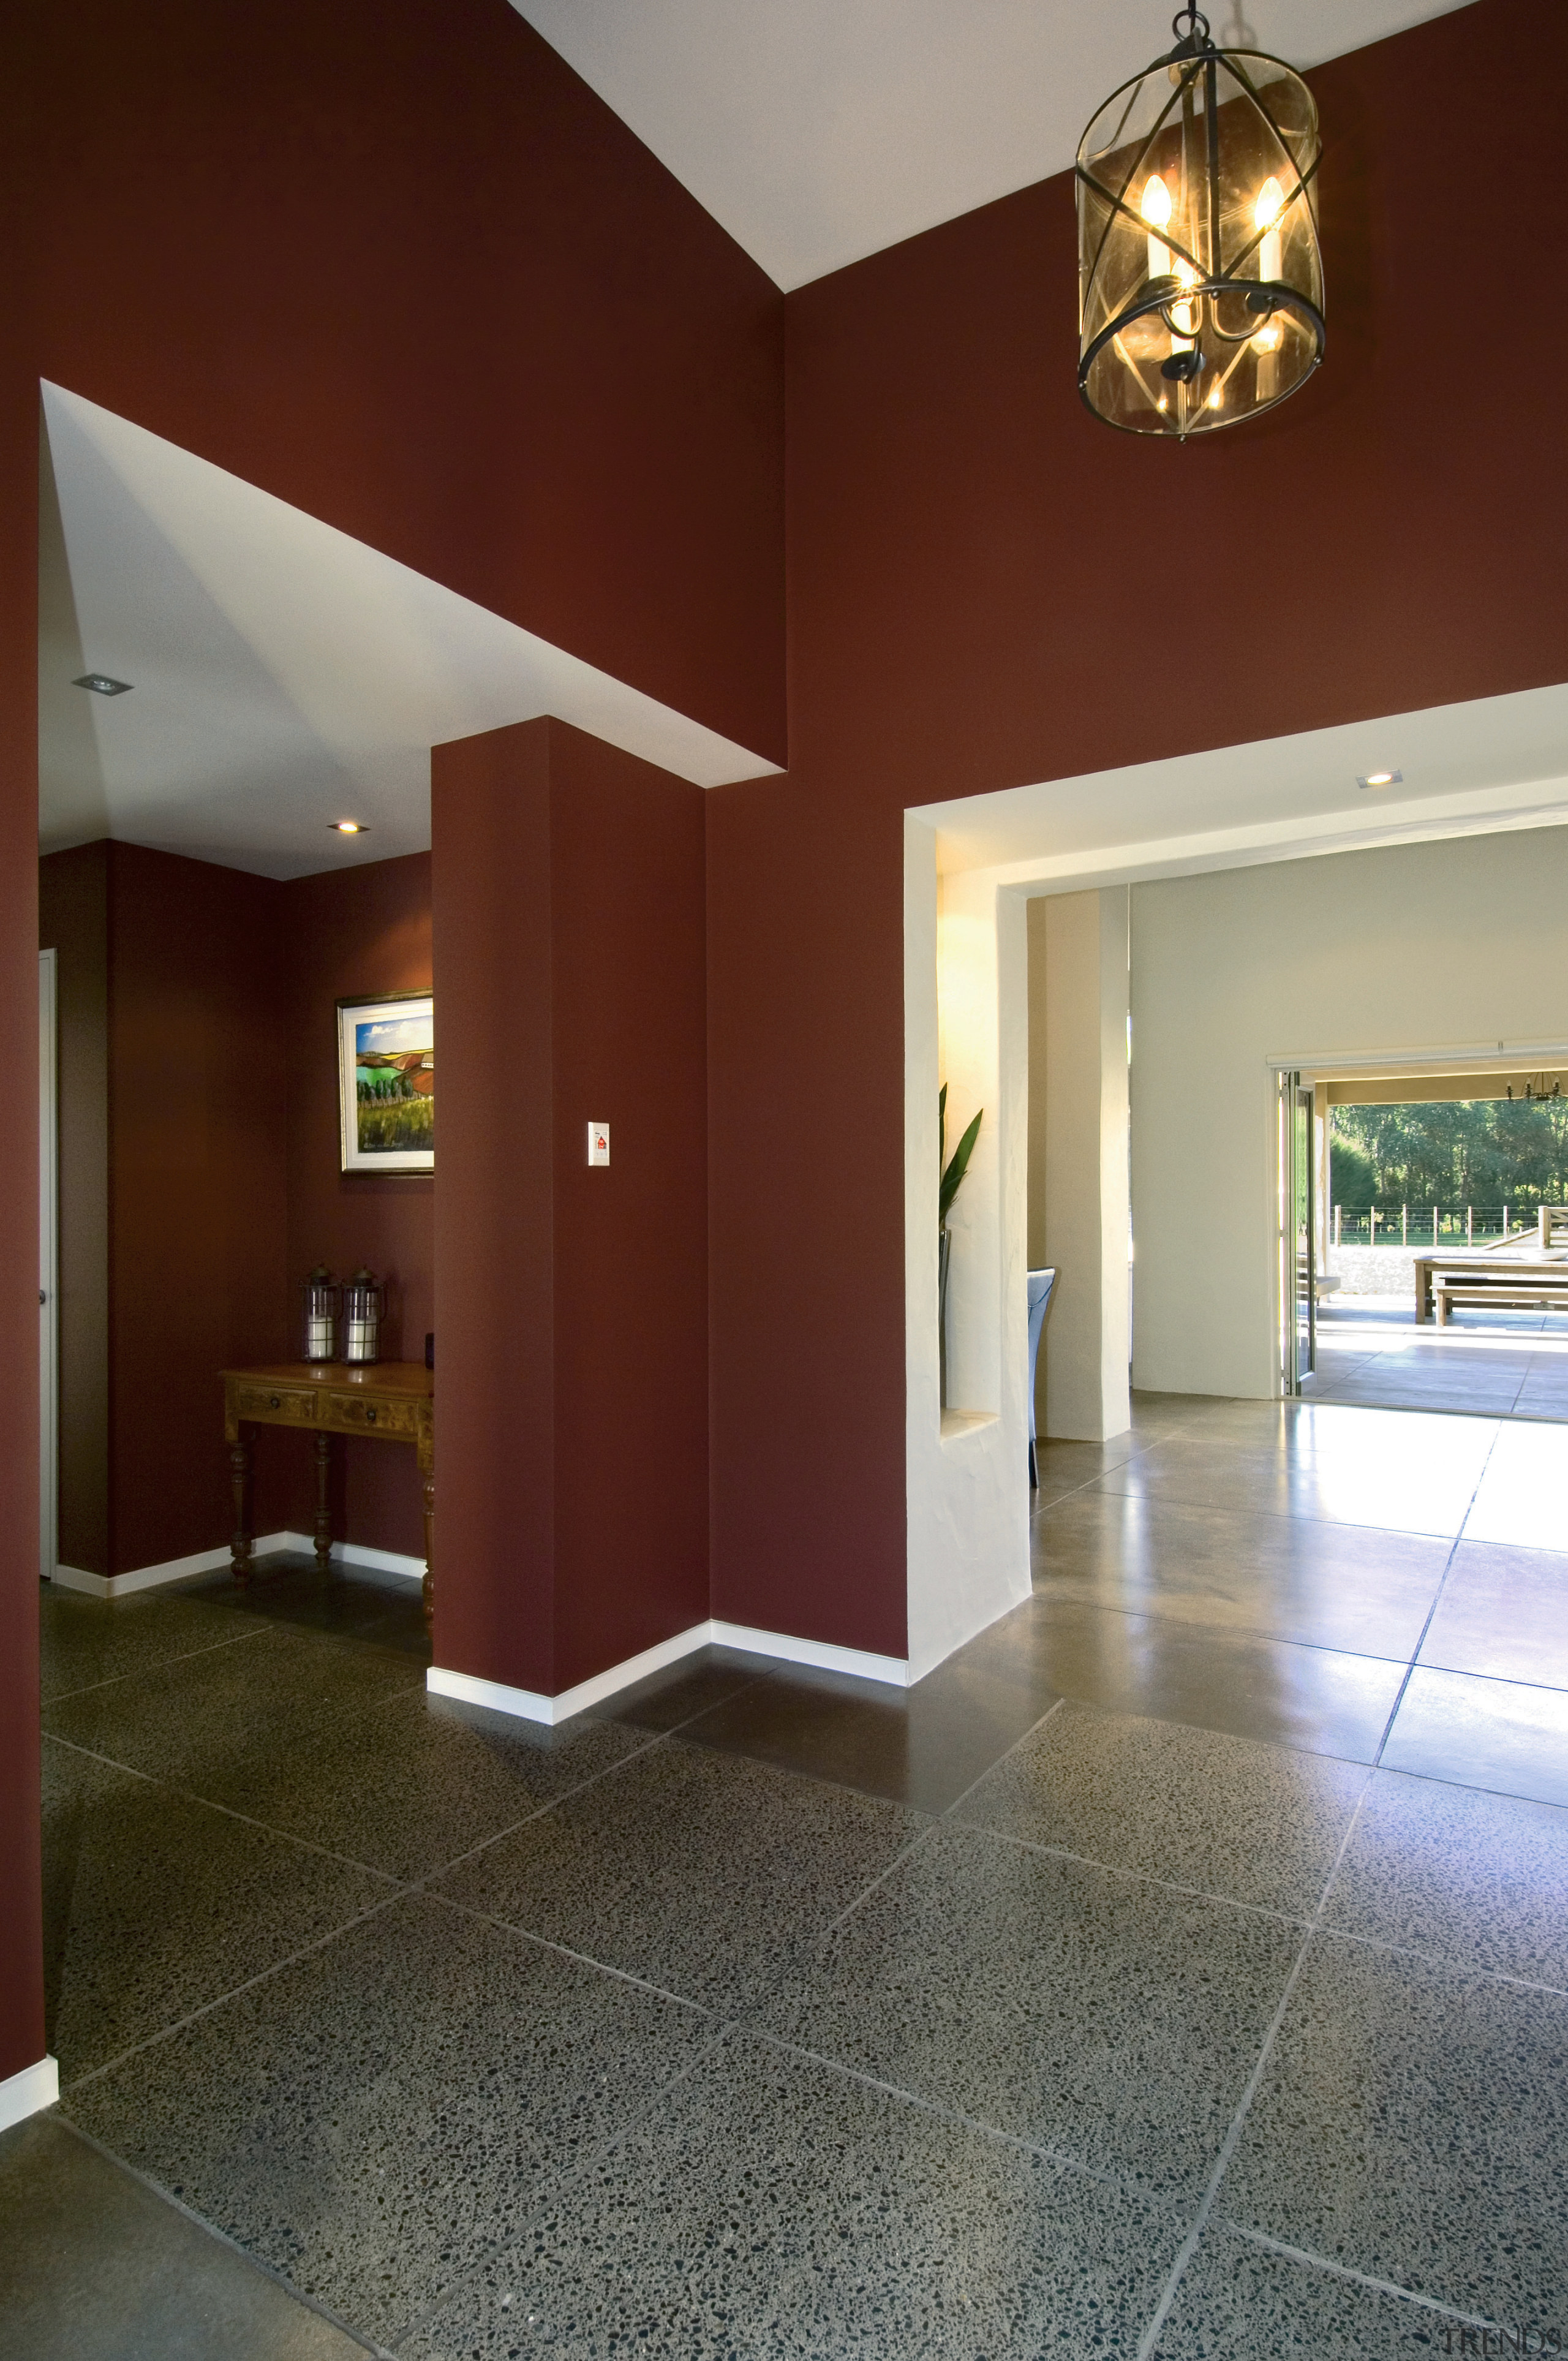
(942, 1126)
(955, 1172)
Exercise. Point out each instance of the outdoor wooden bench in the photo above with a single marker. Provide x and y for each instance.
(1507, 1291)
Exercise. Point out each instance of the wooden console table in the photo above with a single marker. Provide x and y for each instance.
(392, 1400)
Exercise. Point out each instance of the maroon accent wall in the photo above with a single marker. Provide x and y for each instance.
(351, 933)
(987, 588)
(572, 1435)
(397, 264)
(21, 1907)
(410, 274)
(74, 921)
(198, 1179)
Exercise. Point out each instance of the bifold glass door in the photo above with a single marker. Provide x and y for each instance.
(1298, 1231)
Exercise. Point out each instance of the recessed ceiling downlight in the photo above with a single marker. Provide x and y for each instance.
(1381, 779)
(348, 827)
(102, 684)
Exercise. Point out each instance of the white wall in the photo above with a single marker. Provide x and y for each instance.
(1077, 1177)
(1460, 944)
(967, 1479)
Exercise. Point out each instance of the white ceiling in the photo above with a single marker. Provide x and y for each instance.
(1494, 762)
(284, 675)
(818, 131)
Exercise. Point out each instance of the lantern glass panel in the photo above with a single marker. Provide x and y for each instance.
(1201, 272)
(362, 1305)
(319, 1314)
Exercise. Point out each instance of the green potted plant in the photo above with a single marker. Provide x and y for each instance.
(949, 1175)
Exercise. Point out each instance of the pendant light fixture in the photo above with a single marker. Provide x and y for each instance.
(1199, 272)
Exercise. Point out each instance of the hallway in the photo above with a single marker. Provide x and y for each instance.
(1181, 1969)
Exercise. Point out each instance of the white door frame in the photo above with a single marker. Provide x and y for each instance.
(48, 1265)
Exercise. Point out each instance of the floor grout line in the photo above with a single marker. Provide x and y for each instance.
(211, 1803)
(200, 2221)
(1432, 1611)
(263, 1975)
(1138, 1876)
(1189, 2246)
(156, 1664)
(1359, 2279)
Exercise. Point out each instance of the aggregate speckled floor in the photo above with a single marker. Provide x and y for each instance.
(1180, 1971)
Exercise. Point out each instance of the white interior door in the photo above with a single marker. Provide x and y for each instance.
(49, 1272)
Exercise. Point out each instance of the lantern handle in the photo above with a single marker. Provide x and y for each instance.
(1189, 43)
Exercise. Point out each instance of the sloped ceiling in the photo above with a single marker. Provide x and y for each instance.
(818, 131)
(284, 675)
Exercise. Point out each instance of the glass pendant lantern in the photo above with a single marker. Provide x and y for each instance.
(1200, 275)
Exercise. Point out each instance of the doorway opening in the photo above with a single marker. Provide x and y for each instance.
(1434, 1272)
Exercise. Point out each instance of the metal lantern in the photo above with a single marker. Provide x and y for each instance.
(320, 1309)
(1199, 272)
(363, 1300)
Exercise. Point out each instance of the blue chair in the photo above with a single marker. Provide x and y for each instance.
(1040, 1285)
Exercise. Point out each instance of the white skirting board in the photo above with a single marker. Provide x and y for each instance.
(23, 2094)
(529, 1704)
(177, 1569)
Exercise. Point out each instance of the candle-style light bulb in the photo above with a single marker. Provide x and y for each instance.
(1271, 251)
(1156, 209)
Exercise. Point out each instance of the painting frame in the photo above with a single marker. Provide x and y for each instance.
(381, 1033)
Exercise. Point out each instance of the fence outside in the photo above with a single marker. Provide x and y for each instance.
(1428, 1225)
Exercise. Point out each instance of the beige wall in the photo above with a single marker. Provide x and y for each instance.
(1458, 945)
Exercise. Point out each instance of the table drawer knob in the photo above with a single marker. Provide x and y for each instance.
(273, 1401)
(369, 1417)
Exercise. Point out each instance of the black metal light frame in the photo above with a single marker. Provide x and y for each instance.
(1197, 54)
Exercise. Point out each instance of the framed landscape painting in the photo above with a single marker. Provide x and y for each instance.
(385, 1083)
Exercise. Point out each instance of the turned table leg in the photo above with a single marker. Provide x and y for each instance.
(429, 1546)
(323, 1512)
(239, 1477)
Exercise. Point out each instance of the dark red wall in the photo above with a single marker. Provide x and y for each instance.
(988, 588)
(349, 934)
(74, 921)
(572, 1427)
(392, 261)
(198, 1179)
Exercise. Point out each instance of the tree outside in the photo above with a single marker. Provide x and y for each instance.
(1454, 1152)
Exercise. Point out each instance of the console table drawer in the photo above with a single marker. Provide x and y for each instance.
(293, 1408)
(373, 1413)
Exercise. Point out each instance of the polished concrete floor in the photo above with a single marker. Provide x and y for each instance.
(1496, 1364)
(1182, 1970)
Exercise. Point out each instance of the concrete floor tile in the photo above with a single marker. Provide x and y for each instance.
(1100, 2016)
(688, 1867)
(1503, 1612)
(1479, 1879)
(921, 1746)
(416, 1780)
(206, 1722)
(1320, 1700)
(377, 2119)
(1410, 2124)
(777, 2207)
(82, 1641)
(1311, 1581)
(1250, 1823)
(1432, 1497)
(1504, 1735)
(154, 1906)
(683, 1690)
(95, 2267)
